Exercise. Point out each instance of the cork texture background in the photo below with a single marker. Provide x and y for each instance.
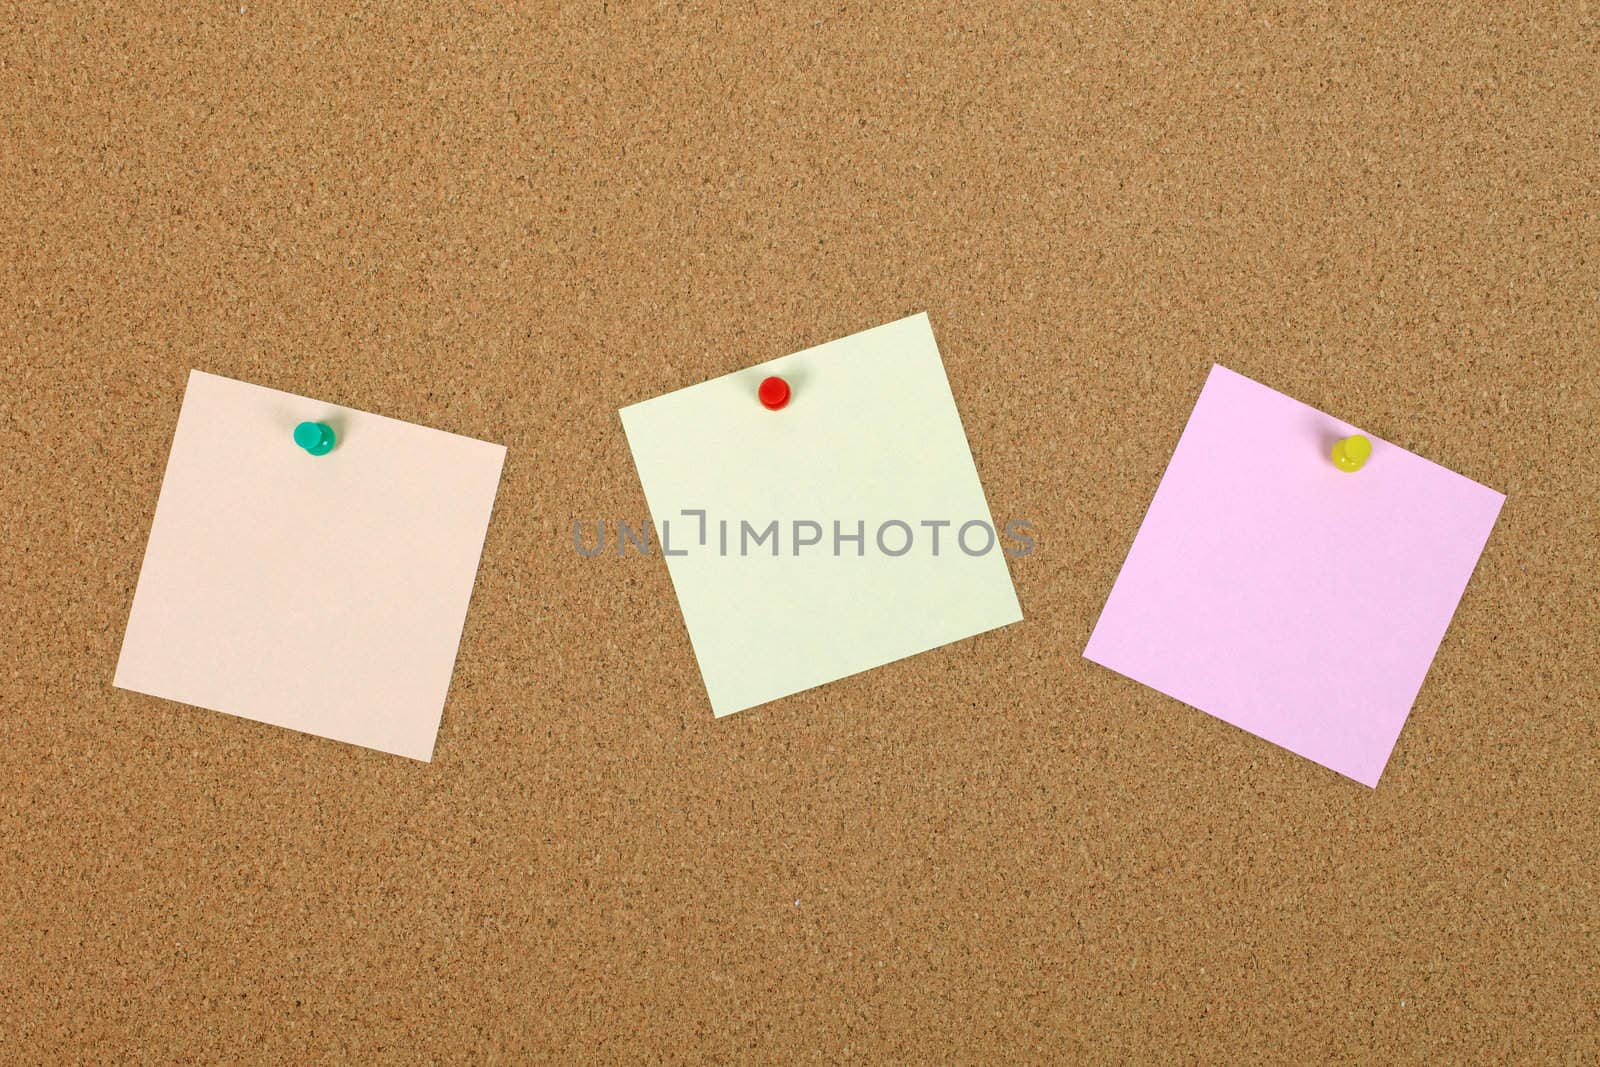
(508, 222)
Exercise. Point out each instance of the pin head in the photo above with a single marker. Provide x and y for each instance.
(315, 437)
(1351, 453)
(774, 393)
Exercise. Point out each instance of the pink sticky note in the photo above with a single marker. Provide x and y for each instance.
(1292, 599)
(322, 593)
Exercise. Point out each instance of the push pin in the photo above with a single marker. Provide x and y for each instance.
(315, 437)
(774, 393)
(1351, 453)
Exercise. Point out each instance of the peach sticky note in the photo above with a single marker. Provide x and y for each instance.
(322, 593)
(1288, 597)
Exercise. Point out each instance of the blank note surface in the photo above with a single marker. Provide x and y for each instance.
(869, 443)
(322, 593)
(1283, 595)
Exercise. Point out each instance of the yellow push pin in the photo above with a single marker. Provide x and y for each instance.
(1351, 453)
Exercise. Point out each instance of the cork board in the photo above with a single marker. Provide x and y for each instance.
(508, 223)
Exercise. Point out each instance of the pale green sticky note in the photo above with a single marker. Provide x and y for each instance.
(870, 443)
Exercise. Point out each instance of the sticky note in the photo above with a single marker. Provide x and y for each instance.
(869, 443)
(325, 593)
(1295, 600)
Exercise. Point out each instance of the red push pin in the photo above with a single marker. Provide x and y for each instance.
(774, 393)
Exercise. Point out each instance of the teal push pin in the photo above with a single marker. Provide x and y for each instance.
(315, 437)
